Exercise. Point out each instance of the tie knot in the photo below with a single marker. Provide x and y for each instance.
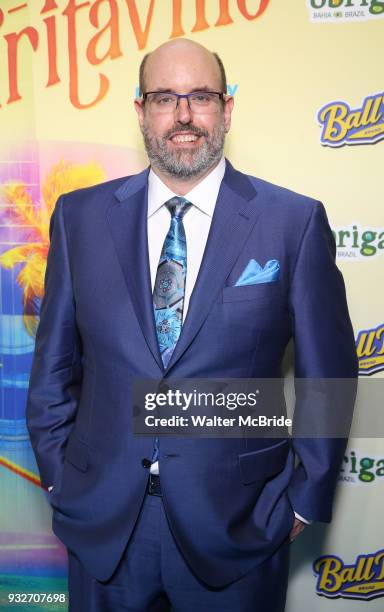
(178, 206)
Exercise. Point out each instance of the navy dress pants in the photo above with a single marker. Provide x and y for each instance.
(152, 576)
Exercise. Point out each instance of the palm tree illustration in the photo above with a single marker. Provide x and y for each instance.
(23, 213)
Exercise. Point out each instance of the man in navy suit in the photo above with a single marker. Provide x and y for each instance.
(182, 523)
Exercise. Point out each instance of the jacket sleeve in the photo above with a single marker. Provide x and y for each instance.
(325, 370)
(56, 373)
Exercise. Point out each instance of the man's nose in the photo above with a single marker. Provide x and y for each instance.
(183, 112)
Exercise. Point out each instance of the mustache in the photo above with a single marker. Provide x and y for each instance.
(192, 129)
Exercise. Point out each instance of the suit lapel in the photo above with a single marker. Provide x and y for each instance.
(232, 222)
(127, 219)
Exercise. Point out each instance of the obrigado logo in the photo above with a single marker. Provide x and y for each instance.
(357, 242)
(344, 126)
(345, 10)
(363, 579)
(361, 469)
(370, 350)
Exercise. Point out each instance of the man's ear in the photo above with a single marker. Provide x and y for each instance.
(139, 107)
(228, 108)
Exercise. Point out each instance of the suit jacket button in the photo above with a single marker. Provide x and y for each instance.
(163, 387)
(146, 463)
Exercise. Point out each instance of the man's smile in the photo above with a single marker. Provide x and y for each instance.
(185, 138)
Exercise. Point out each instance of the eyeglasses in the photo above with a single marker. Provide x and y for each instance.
(160, 102)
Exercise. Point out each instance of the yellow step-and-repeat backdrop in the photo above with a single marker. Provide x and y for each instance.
(307, 80)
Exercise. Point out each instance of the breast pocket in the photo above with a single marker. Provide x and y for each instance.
(262, 293)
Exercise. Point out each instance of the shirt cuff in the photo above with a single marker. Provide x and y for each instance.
(302, 519)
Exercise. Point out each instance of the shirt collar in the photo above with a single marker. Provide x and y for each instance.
(203, 196)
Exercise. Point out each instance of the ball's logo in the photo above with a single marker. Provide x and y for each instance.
(370, 350)
(342, 125)
(363, 579)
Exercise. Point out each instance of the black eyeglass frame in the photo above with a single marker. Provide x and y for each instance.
(221, 95)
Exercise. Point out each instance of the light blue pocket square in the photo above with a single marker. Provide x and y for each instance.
(254, 273)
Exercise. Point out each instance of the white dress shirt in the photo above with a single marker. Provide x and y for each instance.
(197, 222)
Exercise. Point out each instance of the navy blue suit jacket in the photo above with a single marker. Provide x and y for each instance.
(97, 335)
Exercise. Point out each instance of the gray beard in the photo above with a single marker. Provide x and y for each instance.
(185, 164)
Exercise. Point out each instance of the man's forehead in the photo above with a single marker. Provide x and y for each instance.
(186, 63)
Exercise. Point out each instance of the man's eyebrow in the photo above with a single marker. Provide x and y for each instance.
(162, 90)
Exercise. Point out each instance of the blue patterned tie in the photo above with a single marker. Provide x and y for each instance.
(168, 292)
(169, 289)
